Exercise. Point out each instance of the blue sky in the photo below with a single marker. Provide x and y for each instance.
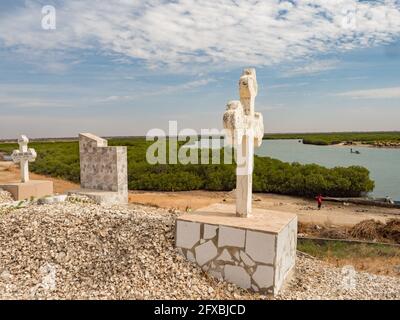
(125, 67)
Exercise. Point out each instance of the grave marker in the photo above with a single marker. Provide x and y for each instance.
(26, 188)
(23, 156)
(256, 253)
(245, 129)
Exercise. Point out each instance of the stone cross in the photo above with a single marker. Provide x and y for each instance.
(24, 155)
(244, 130)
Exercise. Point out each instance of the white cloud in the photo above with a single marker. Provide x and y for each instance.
(381, 93)
(165, 90)
(29, 102)
(288, 85)
(23, 95)
(312, 68)
(216, 33)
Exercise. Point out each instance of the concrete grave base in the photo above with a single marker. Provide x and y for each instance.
(256, 253)
(30, 189)
(102, 197)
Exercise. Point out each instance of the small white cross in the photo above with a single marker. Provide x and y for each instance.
(24, 155)
(244, 130)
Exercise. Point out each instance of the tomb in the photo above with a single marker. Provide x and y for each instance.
(250, 247)
(26, 189)
(103, 170)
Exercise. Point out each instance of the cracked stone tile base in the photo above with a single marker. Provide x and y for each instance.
(256, 253)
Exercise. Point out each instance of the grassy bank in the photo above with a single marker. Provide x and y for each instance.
(340, 249)
(339, 137)
(61, 159)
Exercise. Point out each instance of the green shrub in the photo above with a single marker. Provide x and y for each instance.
(61, 159)
(323, 139)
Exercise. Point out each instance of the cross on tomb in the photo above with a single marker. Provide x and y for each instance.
(244, 130)
(24, 155)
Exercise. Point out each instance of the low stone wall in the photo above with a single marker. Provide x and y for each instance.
(256, 260)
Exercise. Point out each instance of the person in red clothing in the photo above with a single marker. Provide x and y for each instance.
(319, 199)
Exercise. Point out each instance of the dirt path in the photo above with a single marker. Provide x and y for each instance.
(331, 214)
(9, 172)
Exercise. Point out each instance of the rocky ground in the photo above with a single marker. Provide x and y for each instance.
(76, 250)
(317, 280)
(5, 196)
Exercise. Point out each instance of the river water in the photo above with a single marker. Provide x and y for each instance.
(383, 164)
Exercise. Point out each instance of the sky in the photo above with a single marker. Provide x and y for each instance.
(122, 68)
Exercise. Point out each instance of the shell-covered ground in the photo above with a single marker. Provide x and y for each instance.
(76, 250)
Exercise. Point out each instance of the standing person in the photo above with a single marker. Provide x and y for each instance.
(319, 199)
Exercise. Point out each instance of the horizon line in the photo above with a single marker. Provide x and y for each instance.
(11, 140)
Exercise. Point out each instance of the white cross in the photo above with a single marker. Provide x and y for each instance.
(24, 155)
(244, 129)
